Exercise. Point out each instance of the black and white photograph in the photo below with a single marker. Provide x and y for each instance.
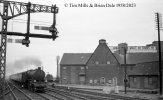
(81, 50)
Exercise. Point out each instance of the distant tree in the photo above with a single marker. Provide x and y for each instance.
(49, 78)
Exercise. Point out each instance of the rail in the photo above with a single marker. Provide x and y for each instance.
(41, 95)
(12, 91)
(23, 92)
(15, 87)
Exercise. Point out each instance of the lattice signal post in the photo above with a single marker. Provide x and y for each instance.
(12, 9)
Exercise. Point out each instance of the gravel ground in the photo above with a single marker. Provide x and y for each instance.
(131, 94)
(142, 95)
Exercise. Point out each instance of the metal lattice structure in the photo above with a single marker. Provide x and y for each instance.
(13, 9)
(19, 8)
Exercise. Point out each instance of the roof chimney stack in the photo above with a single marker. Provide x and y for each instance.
(101, 41)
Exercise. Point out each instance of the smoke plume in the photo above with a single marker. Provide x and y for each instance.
(23, 64)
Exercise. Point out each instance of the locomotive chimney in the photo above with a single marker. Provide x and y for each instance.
(39, 68)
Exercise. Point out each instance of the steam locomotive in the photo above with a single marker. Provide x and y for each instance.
(33, 80)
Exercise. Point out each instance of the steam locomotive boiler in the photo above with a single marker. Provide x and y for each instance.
(32, 79)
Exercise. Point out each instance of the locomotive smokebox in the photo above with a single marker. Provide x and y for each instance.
(36, 74)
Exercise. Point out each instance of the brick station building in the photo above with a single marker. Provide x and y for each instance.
(103, 66)
(98, 68)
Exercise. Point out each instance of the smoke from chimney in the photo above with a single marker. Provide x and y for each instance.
(22, 65)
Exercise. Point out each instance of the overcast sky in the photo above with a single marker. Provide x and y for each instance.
(80, 29)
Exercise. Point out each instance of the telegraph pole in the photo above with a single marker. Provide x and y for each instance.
(123, 50)
(159, 25)
(58, 69)
(125, 80)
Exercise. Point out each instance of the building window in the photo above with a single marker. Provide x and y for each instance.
(115, 47)
(110, 81)
(139, 48)
(152, 47)
(81, 68)
(150, 80)
(96, 62)
(102, 80)
(134, 79)
(90, 81)
(108, 62)
(95, 81)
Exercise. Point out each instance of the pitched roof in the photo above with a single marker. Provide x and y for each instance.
(134, 58)
(150, 68)
(75, 58)
(102, 54)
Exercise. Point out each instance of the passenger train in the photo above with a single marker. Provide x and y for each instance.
(33, 80)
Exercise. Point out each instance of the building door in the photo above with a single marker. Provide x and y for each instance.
(142, 82)
(64, 81)
(64, 77)
(82, 79)
(74, 76)
(146, 82)
(115, 81)
(102, 81)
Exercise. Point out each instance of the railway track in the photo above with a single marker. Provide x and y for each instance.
(78, 95)
(48, 96)
(15, 93)
(62, 95)
(91, 95)
(34, 95)
(7, 91)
